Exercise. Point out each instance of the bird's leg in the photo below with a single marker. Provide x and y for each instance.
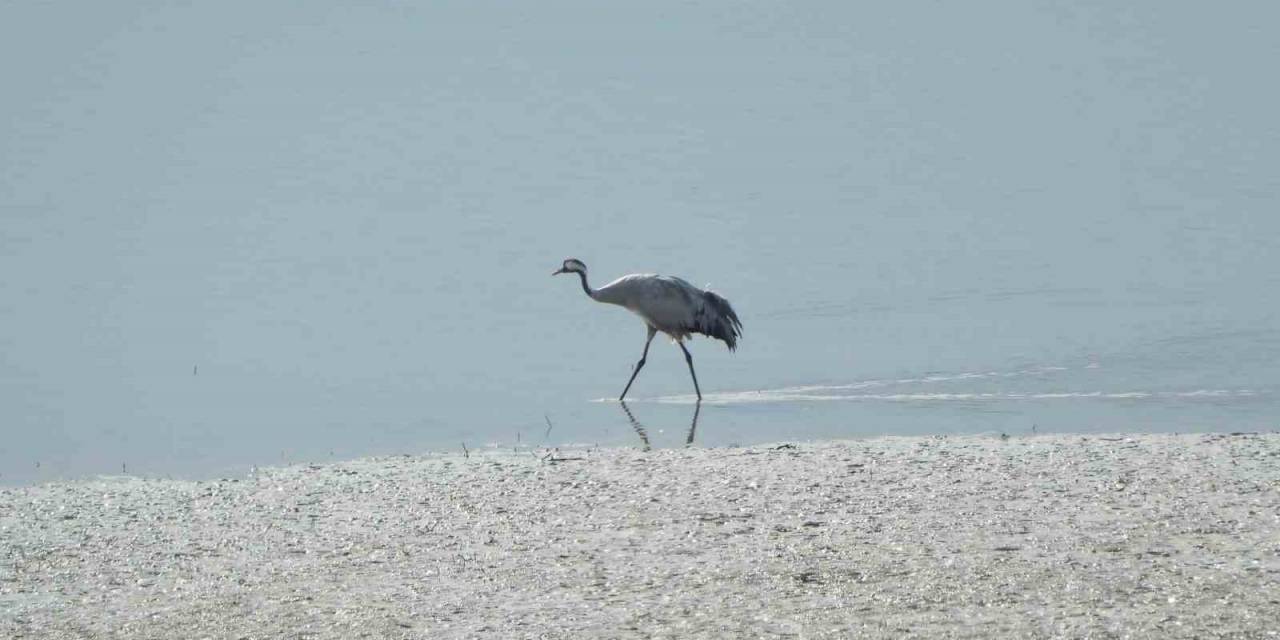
(640, 364)
(689, 359)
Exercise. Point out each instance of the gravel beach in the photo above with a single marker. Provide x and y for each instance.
(1041, 536)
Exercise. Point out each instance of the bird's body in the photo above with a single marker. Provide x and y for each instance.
(667, 304)
(673, 306)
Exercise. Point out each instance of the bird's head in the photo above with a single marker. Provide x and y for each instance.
(572, 265)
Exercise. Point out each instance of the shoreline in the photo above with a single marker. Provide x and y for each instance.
(943, 536)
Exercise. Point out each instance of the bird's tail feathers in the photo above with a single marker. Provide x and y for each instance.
(718, 320)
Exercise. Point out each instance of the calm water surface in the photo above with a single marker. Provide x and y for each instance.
(231, 242)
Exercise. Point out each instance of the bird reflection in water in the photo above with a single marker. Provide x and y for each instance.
(644, 433)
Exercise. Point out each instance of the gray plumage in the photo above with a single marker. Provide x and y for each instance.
(667, 304)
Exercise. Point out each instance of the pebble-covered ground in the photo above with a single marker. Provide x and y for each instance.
(1050, 536)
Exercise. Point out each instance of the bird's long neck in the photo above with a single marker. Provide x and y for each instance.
(586, 287)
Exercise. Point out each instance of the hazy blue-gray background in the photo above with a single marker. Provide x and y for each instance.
(947, 217)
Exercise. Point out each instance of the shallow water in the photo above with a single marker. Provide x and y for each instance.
(305, 237)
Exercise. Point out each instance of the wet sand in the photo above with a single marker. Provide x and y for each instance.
(1044, 536)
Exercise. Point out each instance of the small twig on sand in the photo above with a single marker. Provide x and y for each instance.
(553, 457)
(466, 454)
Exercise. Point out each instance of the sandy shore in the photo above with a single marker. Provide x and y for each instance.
(1050, 536)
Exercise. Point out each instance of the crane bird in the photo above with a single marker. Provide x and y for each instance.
(666, 304)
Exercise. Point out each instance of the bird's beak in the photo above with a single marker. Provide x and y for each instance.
(559, 271)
